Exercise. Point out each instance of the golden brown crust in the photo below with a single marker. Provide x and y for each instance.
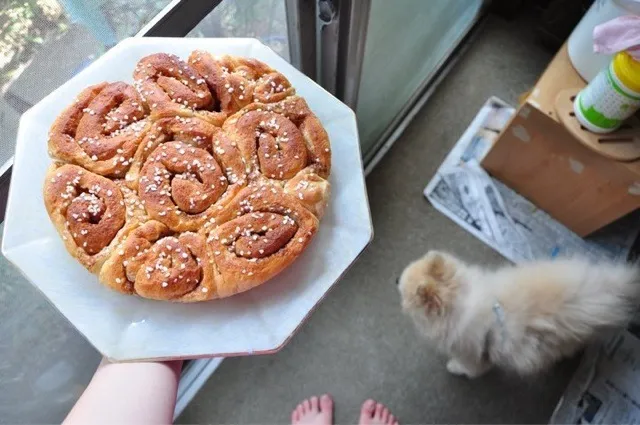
(194, 132)
(311, 190)
(279, 140)
(184, 187)
(90, 212)
(263, 231)
(101, 130)
(170, 87)
(155, 263)
(192, 208)
(237, 82)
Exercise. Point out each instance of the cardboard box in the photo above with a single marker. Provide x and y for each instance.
(537, 157)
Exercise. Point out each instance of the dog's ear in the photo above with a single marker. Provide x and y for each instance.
(430, 298)
(439, 267)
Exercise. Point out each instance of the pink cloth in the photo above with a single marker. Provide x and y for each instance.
(617, 35)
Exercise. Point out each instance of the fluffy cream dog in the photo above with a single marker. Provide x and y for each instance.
(520, 318)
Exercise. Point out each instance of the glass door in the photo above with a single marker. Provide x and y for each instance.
(405, 47)
(382, 58)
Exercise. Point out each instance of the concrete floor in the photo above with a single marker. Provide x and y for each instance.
(357, 344)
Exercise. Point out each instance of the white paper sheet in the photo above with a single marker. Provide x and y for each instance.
(503, 219)
(129, 328)
(606, 387)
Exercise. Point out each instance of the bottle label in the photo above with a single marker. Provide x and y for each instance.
(606, 102)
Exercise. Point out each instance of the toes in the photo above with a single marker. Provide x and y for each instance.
(368, 407)
(366, 412)
(314, 403)
(326, 403)
(392, 420)
(378, 413)
(311, 407)
(384, 415)
(300, 410)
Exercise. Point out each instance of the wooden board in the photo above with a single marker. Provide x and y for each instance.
(621, 145)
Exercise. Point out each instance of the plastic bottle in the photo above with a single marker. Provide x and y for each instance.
(580, 45)
(611, 97)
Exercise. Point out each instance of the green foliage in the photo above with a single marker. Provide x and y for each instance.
(128, 16)
(24, 25)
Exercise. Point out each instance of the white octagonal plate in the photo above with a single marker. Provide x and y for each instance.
(131, 328)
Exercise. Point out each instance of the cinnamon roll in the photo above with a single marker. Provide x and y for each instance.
(90, 212)
(194, 132)
(201, 181)
(101, 130)
(169, 86)
(237, 82)
(156, 263)
(258, 235)
(279, 140)
(184, 187)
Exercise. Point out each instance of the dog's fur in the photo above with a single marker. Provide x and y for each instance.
(520, 318)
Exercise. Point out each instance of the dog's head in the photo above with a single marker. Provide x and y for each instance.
(429, 285)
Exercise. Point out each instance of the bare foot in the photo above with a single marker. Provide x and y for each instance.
(314, 411)
(373, 413)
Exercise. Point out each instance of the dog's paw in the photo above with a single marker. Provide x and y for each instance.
(455, 367)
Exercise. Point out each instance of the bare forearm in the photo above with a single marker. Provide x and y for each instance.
(129, 393)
